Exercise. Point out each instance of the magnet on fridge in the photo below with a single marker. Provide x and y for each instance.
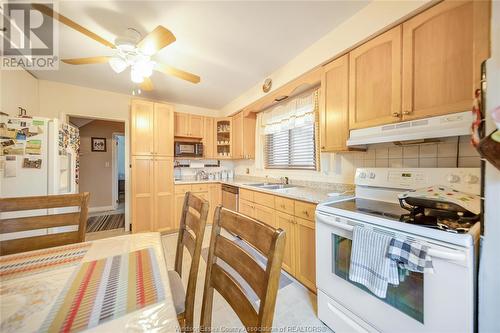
(32, 163)
(10, 166)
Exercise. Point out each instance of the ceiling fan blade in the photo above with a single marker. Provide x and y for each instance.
(156, 40)
(86, 61)
(169, 70)
(66, 21)
(147, 84)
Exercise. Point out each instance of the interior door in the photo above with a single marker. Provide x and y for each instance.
(163, 194)
(142, 178)
(375, 81)
(163, 129)
(142, 116)
(334, 116)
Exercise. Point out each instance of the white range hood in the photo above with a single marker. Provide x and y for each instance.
(428, 128)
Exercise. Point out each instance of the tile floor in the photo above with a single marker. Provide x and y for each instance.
(295, 306)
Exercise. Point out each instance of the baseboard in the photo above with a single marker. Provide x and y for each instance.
(100, 209)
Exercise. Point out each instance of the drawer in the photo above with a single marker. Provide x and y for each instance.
(265, 214)
(246, 208)
(202, 195)
(199, 187)
(264, 199)
(305, 210)
(284, 205)
(246, 194)
(182, 188)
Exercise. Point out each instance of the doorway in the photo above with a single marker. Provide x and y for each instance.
(102, 172)
(118, 171)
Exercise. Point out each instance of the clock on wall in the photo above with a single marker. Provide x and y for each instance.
(268, 83)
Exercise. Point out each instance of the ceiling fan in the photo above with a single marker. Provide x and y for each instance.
(130, 51)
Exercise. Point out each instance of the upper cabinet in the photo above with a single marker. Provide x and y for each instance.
(223, 137)
(142, 118)
(243, 136)
(209, 137)
(375, 81)
(189, 125)
(151, 128)
(443, 48)
(334, 108)
(163, 129)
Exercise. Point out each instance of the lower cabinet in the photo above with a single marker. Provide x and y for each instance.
(264, 214)
(287, 223)
(296, 218)
(305, 252)
(210, 192)
(215, 199)
(152, 193)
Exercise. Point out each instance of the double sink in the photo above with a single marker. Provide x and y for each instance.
(272, 186)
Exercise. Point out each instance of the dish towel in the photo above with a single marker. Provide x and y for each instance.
(369, 263)
(412, 256)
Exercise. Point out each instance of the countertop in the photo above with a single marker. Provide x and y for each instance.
(310, 192)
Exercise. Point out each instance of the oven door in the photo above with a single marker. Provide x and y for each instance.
(438, 302)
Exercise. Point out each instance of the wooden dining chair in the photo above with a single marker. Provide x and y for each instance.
(43, 220)
(191, 233)
(264, 281)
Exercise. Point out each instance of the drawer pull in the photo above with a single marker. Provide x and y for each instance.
(306, 213)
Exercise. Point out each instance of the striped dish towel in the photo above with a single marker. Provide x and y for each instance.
(369, 263)
(410, 255)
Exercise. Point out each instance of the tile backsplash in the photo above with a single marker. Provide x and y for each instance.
(447, 153)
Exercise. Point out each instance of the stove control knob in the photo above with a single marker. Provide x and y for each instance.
(453, 178)
(372, 175)
(471, 179)
(362, 175)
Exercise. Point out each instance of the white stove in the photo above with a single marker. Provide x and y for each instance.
(442, 301)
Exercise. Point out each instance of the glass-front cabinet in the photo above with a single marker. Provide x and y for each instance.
(223, 137)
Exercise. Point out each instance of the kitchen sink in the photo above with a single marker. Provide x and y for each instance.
(272, 186)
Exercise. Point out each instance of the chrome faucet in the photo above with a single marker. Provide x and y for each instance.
(284, 180)
(201, 175)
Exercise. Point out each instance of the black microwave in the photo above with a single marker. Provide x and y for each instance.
(188, 149)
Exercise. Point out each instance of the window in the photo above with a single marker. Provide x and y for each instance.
(291, 149)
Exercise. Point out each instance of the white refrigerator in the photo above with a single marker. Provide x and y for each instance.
(39, 156)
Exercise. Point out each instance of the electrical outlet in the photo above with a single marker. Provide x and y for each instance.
(106, 165)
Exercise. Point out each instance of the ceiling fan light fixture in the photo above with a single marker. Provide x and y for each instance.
(135, 75)
(144, 67)
(118, 64)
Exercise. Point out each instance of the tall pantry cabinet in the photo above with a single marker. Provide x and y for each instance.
(152, 187)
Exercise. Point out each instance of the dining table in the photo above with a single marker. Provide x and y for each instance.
(117, 284)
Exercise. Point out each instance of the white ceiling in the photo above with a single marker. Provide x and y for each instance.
(231, 45)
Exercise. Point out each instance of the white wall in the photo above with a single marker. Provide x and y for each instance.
(18, 88)
(367, 22)
(489, 276)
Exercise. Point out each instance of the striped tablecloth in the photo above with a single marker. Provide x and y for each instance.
(108, 285)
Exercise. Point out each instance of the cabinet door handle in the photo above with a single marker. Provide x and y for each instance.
(306, 213)
(395, 114)
(407, 112)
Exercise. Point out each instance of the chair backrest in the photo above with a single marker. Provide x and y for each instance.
(264, 281)
(191, 231)
(44, 220)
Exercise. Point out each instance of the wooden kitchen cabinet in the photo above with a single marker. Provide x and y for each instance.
(178, 204)
(305, 210)
(215, 199)
(246, 207)
(209, 138)
(142, 186)
(264, 214)
(264, 199)
(287, 223)
(163, 169)
(443, 48)
(243, 136)
(188, 125)
(223, 137)
(305, 254)
(334, 108)
(163, 133)
(375, 81)
(142, 128)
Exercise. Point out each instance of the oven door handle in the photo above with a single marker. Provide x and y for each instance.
(447, 255)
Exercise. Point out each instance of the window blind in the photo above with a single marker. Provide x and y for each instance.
(291, 149)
